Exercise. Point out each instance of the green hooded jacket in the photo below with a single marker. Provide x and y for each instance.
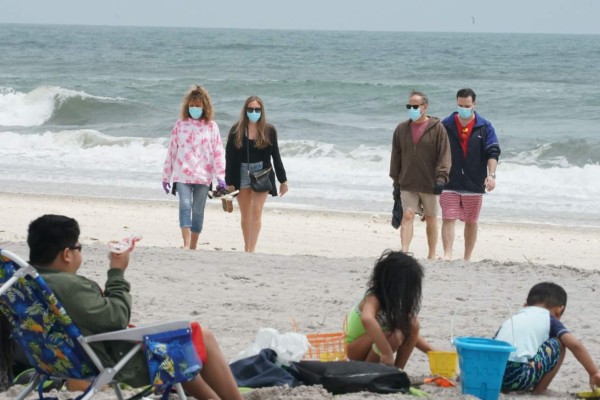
(95, 311)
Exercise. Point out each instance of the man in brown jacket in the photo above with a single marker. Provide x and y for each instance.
(420, 165)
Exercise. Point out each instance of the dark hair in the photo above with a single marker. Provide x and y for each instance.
(396, 281)
(547, 293)
(466, 92)
(49, 235)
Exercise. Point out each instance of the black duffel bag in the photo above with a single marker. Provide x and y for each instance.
(339, 377)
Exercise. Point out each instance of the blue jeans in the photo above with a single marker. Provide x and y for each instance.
(192, 199)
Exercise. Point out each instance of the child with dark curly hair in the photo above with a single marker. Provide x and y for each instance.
(385, 320)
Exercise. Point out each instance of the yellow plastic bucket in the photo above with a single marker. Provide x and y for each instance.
(443, 363)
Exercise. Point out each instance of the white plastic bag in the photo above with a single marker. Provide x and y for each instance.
(289, 346)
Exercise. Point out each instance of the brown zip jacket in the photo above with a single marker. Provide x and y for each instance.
(417, 167)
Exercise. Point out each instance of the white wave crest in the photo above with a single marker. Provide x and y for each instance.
(36, 107)
(82, 149)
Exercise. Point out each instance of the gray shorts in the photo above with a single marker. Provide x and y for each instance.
(245, 178)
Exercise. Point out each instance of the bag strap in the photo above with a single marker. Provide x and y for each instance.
(248, 150)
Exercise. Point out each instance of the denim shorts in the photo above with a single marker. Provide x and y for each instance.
(245, 178)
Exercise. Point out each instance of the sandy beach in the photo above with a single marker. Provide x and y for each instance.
(311, 266)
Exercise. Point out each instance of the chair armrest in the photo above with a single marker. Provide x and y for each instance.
(138, 333)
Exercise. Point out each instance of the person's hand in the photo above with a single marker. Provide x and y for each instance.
(490, 183)
(595, 381)
(387, 359)
(221, 184)
(283, 188)
(166, 187)
(438, 187)
(119, 261)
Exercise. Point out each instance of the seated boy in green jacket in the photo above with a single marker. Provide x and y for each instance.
(55, 251)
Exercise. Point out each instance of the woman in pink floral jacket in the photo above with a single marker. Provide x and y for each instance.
(194, 158)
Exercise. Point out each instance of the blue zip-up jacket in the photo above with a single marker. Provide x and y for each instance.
(468, 174)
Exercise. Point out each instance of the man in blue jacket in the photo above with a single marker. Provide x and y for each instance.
(475, 151)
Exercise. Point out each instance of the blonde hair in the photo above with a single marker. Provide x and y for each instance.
(197, 92)
(262, 139)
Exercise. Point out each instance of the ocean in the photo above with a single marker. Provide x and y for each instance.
(88, 110)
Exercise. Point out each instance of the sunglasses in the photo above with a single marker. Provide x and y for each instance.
(75, 247)
(253, 109)
(413, 106)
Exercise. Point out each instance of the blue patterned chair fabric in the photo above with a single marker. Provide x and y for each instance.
(52, 343)
(42, 327)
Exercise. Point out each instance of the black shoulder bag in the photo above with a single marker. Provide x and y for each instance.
(260, 181)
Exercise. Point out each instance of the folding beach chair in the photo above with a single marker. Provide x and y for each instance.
(55, 347)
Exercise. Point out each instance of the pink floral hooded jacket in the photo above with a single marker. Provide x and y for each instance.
(195, 154)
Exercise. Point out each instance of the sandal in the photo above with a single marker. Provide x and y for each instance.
(227, 204)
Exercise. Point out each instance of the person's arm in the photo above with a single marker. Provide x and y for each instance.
(277, 162)
(91, 310)
(423, 345)
(395, 161)
(492, 152)
(230, 156)
(171, 155)
(218, 152)
(490, 179)
(368, 317)
(444, 161)
(582, 355)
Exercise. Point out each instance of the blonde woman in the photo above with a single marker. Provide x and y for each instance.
(194, 158)
(251, 146)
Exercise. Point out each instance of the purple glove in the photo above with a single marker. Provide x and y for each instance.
(166, 187)
(222, 184)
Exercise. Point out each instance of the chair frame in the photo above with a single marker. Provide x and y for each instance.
(105, 375)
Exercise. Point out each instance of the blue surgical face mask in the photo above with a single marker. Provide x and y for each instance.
(464, 112)
(253, 116)
(195, 112)
(414, 114)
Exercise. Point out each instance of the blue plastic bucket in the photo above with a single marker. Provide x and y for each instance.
(482, 363)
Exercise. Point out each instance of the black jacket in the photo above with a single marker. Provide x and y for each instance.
(234, 158)
(468, 174)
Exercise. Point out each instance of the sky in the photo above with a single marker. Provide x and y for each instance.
(518, 16)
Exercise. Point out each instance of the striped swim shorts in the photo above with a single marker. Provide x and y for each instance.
(462, 206)
(524, 376)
